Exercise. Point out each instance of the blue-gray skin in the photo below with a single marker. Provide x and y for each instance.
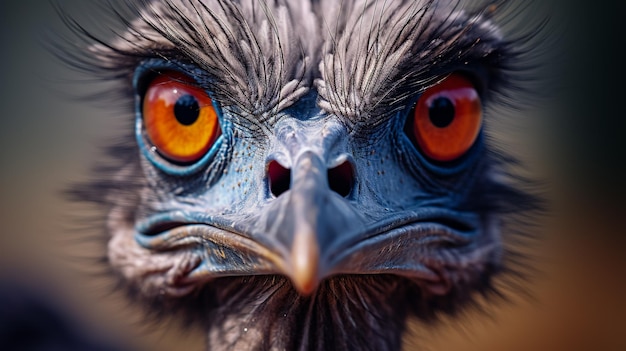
(314, 222)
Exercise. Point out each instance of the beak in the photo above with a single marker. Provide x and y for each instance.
(308, 224)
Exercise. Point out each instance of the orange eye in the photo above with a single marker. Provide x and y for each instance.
(179, 118)
(447, 119)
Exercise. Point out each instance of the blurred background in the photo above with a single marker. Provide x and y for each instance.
(572, 139)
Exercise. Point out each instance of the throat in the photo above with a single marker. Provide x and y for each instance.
(345, 313)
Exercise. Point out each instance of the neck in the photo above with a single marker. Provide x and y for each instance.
(344, 313)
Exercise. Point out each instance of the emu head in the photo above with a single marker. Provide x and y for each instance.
(306, 174)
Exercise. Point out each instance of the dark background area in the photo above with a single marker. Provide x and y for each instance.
(575, 141)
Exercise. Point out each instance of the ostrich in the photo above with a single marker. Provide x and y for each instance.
(306, 174)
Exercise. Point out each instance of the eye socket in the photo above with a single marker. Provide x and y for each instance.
(447, 119)
(179, 118)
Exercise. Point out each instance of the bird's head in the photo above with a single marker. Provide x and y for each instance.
(310, 173)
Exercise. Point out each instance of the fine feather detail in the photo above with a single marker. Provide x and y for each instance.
(365, 59)
(387, 52)
(254, 55)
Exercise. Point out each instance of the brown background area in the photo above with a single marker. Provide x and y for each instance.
(577, 299)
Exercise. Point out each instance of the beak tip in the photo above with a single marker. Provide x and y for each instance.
(305, 287)
(304, 264)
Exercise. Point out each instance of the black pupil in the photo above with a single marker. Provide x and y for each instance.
(187, 110)
(441, 112)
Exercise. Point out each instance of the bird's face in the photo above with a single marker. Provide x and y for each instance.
(296, 156)
(312, 195)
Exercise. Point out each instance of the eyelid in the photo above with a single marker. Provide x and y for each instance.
(150, 69)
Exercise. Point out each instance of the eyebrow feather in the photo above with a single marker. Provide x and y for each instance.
(408, 46)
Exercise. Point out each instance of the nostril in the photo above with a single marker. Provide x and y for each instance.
(279, 178)
(341, 179)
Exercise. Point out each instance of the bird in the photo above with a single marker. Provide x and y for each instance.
(305, 174)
